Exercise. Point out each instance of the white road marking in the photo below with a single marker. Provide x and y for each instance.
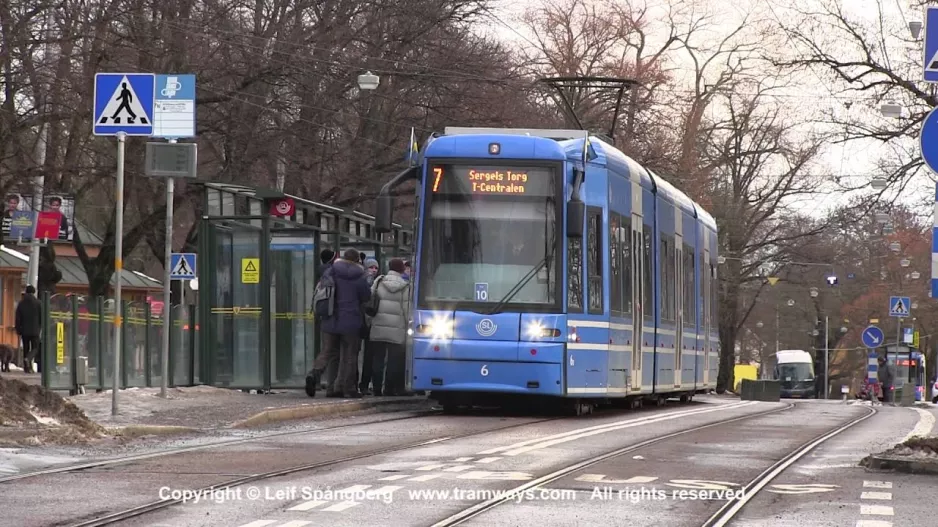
(580, 434)
(295, 523)
(463, 459)
(574, 434)
(876, 510)
(601, 478)
(488, 459)
(876, 496)
(430, 467)
(459, 468)
(339, 507)
(309, 505)
(394, 477)
(877, 484)
(926, 422)
(259, 523)
(873, 523)
(425, 477)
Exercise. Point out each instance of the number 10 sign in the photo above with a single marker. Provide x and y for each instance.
(482, 291)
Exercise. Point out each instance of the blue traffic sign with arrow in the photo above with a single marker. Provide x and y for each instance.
(872, 337)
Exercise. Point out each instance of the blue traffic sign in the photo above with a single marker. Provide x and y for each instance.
(482, 291)
(182, 266)
(899, 306)
(930, 73)
(123, 103)
(872, 337)
(928, 140)
(174, 106)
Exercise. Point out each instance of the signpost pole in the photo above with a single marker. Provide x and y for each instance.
(167, 282)
(827, 370)
(118, 265)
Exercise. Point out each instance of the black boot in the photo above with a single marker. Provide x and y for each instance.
(312, 382)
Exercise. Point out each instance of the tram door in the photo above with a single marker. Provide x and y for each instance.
(705, 274)
(679, 308)
(638, 283)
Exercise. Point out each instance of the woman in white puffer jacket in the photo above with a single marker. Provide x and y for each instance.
(389, 330)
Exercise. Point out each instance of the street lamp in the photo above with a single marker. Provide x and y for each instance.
(894, 247)
(368, 81)
(915, 27)
(882, 217)
(916, 275)
(905, 262)
(891, 109)
(791, 303)
(759, 324)
(878, 183)
(814, 292)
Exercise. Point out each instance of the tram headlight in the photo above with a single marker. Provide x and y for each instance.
(437, 328)
(536, 330)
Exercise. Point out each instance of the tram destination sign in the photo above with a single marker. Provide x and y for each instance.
(171, 160)
(492, 180)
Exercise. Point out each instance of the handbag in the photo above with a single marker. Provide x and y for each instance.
(371, 307)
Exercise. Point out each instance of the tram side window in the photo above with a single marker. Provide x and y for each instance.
(594, 262)
(690, 307)
(703, 291)
(625, 250)
(714, 299)
(615, 264)
(575, 275)
(666, 261)
(649, 297)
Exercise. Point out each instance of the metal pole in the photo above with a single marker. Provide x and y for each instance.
(32, 273)
(167, 282)
(827, 381)
(776, 327)
(118, 265)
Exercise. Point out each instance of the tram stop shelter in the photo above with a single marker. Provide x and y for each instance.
(258, 267)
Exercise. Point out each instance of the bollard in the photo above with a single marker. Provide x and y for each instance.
(844, 390)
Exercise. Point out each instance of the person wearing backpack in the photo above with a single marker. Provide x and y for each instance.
(338, 303)
(390, 302)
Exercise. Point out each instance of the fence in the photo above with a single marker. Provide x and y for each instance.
(79, 331)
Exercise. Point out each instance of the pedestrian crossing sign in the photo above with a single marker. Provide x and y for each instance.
(123, 103)
(182, 266)
(899, 306)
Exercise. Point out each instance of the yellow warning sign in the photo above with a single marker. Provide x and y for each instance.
(250, 270)
(773, 280)
(60, 343)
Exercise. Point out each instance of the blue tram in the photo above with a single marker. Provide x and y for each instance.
(550, 264)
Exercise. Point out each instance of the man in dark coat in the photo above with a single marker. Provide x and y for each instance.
(326, 257)
(887, 379)
(29, 327)
(342, 331)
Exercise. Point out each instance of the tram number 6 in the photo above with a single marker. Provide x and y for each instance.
(485, 370)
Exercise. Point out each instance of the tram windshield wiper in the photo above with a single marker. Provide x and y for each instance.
(526, 278)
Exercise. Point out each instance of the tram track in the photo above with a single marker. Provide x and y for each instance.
(730, 509)
(720, 518)
(134, 512)
(508, 496)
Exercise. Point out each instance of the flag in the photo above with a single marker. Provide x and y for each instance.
(412, 148)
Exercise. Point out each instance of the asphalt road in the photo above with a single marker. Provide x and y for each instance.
(658, 484)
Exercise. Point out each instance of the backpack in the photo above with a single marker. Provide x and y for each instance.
(324, 297)
(371, 307)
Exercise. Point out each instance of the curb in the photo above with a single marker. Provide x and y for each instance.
(131, 431)
(909, 466)
(293, 413)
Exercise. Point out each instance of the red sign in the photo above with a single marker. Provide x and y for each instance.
(282, 207)
(47, 225)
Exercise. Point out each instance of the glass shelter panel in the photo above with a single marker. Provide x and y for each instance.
(294, 258)
(235, 312)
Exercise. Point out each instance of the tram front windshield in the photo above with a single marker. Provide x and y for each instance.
(486, 228)
(795, 372)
